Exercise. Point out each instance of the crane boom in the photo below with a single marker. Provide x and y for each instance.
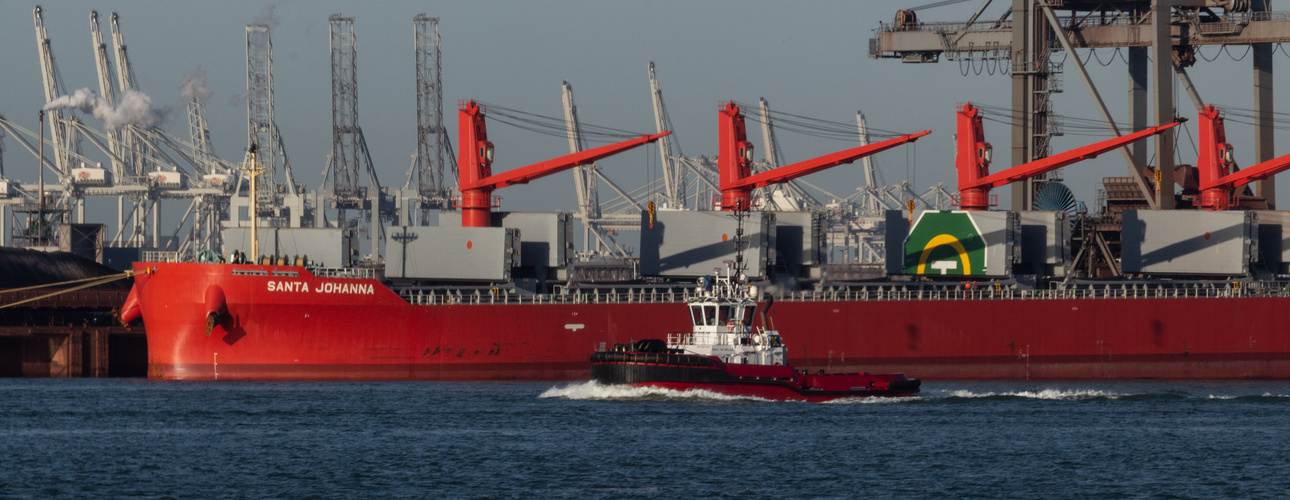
(53, 87)
(476, 180)
(768, 134)
(107, 88)
(973, 156)
(124, 72)
(1044, 165)
(1256, 172)
(789, 172)
(736, 153)
(538, 170)
(673, 171)
(135, 153)
(869, 178)
(585, 175)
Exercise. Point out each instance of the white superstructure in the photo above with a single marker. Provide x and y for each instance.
(722, 319)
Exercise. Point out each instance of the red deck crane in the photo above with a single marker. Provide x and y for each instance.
(736, 154)
(1216, 164)
(475, 175)
(973, 155)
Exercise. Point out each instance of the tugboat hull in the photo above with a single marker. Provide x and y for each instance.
(682, 372)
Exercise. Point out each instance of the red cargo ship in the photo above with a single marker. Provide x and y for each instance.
(207, 321)
(285, 322)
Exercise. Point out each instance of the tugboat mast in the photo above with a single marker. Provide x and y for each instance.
(739, 213)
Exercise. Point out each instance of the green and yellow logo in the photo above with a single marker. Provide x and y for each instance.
(945, 243)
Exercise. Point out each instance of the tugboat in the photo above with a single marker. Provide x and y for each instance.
(726, 353)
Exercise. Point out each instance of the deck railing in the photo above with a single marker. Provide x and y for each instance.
(512, 296)
(344, 272)
(860, 293)
(158, 256)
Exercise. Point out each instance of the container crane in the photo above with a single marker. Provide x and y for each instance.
(432, 138)
(350, 158)
(107, 89)
(596, 223)
(584, 175)
(138, 152)
(62, 133)
(673, 170)
(53, 86)
(476, 180)
(280, 200)
(125, 82)
(787, 196)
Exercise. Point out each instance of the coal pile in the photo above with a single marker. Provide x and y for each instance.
(21, 268)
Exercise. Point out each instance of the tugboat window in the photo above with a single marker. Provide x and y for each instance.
(710, 315)
(748, 314)
(696, 316)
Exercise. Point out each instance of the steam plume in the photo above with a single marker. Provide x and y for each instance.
(134, 107)
(268, 17)
(194, 86)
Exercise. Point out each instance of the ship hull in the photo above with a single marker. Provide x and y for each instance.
(307, 327)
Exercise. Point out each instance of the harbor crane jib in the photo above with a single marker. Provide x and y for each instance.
(973, 156)
(1216, 164)
(476, 180)
(736, 157)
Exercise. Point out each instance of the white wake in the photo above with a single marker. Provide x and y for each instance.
(592, 390)
(1049, 394)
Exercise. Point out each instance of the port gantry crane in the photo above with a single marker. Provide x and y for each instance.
(64, 138)
(598, 225)
(433, 146)
(784, 196)
(1021, 43)
(350, 158)
(140, 172)
(280, 200)
(476, 180)
(584, 176)
(209, 210)
(107, 90)
(669, 150)
(678, 169)
(137, 160)
(137, 164)
(149, 174)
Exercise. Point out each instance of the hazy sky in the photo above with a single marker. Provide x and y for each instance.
(805, 58)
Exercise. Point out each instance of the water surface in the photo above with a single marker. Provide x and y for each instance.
(86, 437)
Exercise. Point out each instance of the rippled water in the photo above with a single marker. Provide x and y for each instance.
(84, 438)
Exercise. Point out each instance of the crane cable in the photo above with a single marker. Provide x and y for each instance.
(86, 283)
(942, 3)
